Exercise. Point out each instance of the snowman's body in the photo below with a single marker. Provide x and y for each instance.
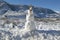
(30, 25)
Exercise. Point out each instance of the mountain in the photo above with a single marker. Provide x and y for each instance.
(39, 12)
(3, 7)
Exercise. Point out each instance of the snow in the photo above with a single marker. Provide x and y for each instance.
(44, 30)
(57, 11)
(48, 26)
(41, 33)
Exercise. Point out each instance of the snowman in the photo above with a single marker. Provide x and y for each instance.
(30, 25)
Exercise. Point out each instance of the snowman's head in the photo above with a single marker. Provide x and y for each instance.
(30, 8)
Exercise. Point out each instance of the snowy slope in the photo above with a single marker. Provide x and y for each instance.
(38, 11)
(3, 7)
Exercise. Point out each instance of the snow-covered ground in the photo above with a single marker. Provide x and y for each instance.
(44, 31)
(48, 25)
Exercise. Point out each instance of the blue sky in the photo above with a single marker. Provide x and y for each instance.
(51, 4)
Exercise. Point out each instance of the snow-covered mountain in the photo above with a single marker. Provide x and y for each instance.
(38, 11)
(3, 7)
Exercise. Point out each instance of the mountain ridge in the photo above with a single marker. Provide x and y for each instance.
(39, 12)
